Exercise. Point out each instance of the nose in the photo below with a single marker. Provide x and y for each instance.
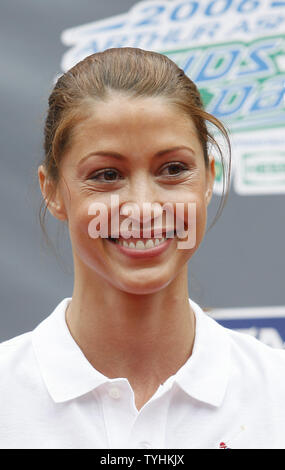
(142, 203)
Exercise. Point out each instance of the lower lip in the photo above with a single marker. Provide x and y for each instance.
(146, 253)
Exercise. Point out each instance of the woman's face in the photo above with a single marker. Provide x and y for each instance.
(139, 150)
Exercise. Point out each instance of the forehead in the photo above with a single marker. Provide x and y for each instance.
(128, 122)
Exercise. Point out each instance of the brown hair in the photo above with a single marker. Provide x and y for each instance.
(138, 73)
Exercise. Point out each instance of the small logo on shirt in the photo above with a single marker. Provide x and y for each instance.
(223, 445)
(228, 443)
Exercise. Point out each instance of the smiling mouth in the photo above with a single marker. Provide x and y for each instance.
(142, 243)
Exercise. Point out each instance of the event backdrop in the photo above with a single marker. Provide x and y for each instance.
(235, 51)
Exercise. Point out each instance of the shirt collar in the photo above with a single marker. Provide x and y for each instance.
(206, 373)
(68, 374)
(65, 370)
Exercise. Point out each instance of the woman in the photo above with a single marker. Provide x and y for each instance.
(129, 361)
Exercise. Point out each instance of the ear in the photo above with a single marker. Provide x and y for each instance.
(211, 174)
(51, 194)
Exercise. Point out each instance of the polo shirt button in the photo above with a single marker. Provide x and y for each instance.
(114, 392)
(144, 445)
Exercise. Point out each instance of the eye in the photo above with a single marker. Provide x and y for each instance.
(105, 175)
(175, 168)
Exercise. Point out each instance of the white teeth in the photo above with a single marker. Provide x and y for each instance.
(141, 245)
(150, 243)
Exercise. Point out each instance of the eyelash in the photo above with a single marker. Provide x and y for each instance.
(101, 172)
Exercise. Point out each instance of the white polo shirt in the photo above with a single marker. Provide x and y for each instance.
(230, 393)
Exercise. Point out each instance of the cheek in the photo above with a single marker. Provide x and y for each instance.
(192, 216)
(88, 216)
(85, 221)
(86, 247)
(193, 211)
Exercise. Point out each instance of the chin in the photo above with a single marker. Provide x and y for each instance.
(140, 287)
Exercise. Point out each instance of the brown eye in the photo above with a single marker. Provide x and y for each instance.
(109, 174)
(175, 168)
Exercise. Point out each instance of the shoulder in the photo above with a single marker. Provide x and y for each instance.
(15, 344)
(255, 359)
(255, 347)
(16, 353)
(19, 369)
(244, 349)
(20, 350)
(22, 388)
(244, 358)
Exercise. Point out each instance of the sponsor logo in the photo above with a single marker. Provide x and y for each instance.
(261, 172)
(241, 83)
(233, 50)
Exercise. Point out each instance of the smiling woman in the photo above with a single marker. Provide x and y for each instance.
(130, 361)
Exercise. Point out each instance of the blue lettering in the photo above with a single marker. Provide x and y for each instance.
(259, 64)
(188, 63)
(231, 100)
(151, 14)
(173, 35)
(206, 30)
(270, 22)
(212, 9)
(277, 4)
(269, 99)
(184, 11)
(241, 27)
(217, 64)
(246, 6)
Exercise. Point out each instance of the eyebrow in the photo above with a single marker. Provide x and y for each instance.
(122, 157)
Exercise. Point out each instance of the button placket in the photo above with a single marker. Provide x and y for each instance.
(149, 428)
(118, 414)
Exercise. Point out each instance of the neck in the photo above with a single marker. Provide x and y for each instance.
(145, 338)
